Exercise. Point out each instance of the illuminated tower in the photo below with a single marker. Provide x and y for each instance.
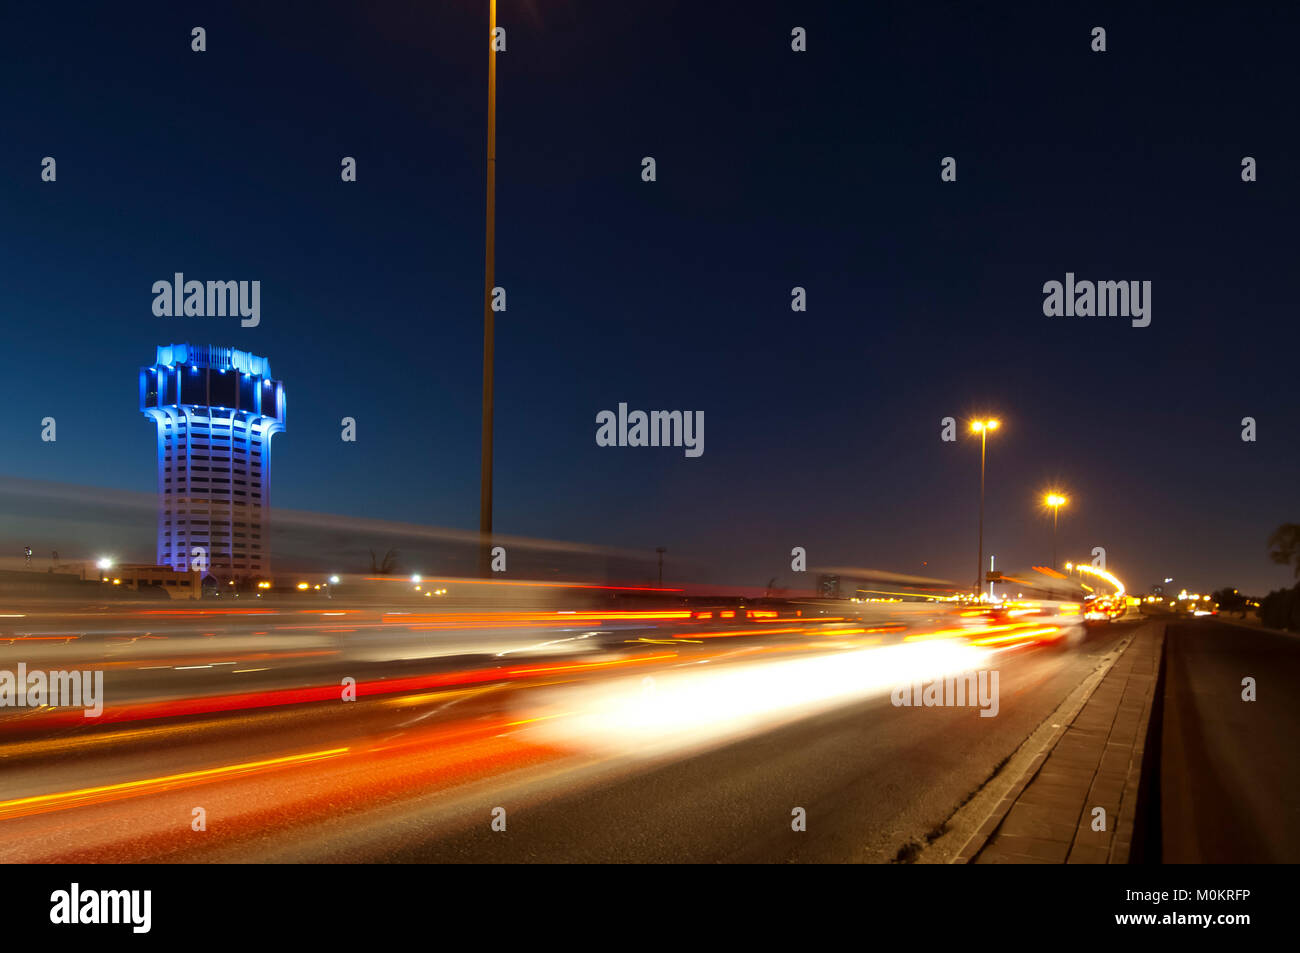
(216, 409)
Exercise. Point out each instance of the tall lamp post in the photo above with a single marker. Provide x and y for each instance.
(982, 427)
(1055, 501)
(485, 472)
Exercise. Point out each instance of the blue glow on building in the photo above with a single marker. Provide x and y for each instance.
(214, 456)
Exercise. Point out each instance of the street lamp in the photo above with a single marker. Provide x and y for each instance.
(982, 427)
(1055, 501)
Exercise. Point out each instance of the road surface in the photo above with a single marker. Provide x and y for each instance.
(1230, 769)
(650, 741)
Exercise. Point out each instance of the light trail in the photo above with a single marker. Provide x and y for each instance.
(41, 803)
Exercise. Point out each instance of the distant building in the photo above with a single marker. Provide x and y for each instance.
(216, 410)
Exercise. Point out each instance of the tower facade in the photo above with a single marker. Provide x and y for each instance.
(216, 410)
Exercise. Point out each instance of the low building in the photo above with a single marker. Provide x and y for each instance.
(139, 576)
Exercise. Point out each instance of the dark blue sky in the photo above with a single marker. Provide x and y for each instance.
(775, 169)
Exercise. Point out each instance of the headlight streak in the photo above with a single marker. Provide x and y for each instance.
(686, 708)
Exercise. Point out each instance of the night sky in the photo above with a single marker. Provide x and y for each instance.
(775, 169)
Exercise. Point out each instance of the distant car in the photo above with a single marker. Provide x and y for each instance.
(1102, 609)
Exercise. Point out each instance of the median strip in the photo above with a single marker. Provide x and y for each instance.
(1077, 801)
(1033, 809)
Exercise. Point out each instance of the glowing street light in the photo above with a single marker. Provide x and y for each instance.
(1055, 501)
(982, 427)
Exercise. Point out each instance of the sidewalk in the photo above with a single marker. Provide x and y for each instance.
(1096, 762)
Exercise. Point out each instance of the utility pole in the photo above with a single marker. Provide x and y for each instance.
(982, 427)
(1055, 501)
(489, 341)
(1055, 510)
(660, 550)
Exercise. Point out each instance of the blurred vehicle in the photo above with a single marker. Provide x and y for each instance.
(1103, 608)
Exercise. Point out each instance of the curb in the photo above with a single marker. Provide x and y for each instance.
(1142, 788)
(1063, 717)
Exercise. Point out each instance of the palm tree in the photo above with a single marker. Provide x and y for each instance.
(1284, 546)
(386, 567)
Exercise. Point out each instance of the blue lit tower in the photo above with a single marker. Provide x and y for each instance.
(216, 409)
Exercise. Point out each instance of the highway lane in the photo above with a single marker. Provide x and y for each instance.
(873, 779)
(413, 776)
(1230, 772)
(162, 661)
(184, 634)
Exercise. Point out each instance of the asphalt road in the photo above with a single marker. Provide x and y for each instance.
(873, 779)
(1230, 769)
(416, 776)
